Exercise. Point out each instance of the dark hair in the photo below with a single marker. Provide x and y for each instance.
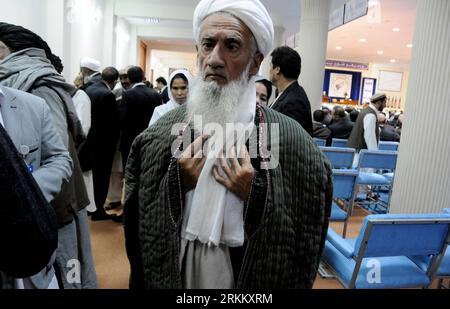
(179, 75)
(110, 74)
(354, 115)
(268, 86)
(18, 38)
(339, 112)
(161, 80)
(288, 60)
(319, 115)
(135, 75)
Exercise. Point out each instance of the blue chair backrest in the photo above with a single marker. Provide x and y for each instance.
(320, 142)
(403, 235)
(378, 159)
(340, 143)
(339, 157)
(344, 183)
(389, 146)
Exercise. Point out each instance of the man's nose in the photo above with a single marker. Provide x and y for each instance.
(215, 59)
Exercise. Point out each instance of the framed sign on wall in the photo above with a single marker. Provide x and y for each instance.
(390, 81)
(368, 89)
(340, 85)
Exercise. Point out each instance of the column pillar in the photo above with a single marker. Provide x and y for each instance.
(312, 47)
(278, 41)
(422, 179)
(109, 34)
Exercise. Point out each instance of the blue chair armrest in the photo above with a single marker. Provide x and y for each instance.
(340, 244)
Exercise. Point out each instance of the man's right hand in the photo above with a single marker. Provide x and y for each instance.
(191, 162)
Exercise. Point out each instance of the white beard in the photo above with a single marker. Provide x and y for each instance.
(215, 103)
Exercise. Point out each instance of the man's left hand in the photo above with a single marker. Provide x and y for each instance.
(239, 174)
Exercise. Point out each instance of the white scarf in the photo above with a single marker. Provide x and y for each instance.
(214, 215)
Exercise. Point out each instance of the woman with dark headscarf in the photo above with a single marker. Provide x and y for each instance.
(27, 64)
(263, 91)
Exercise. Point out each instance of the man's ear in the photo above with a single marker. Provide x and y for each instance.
(256, 63)
(276, 70)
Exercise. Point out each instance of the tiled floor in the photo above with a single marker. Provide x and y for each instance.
(112, 266)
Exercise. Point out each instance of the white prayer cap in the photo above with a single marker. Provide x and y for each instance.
(251, 12)
(91, 64)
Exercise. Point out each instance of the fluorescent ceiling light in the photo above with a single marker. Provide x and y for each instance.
(153, 21)
(396, 29)
(363, 40)
(393, 61)
(338, 47)
(409, 45)
(380, 52)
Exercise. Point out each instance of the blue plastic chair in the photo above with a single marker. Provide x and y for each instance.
(339, 157)
(442, 270)
(379, 161)
(389, 146)
(320, 142)
(343, 189)
(339, 143)
(380, 257)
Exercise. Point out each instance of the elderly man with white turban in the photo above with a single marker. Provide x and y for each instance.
(221, 192)
(90, 70)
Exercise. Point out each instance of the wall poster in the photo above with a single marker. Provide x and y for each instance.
(340, 85)
(368, 89)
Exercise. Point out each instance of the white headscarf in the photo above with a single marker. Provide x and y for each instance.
(189, 81)
(214, 215)
(172, 104)
(250, 12)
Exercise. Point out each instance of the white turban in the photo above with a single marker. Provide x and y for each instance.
(91, 64)
(251, 12)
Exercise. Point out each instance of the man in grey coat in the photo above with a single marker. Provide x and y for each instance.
(26, 119)
(28, 64)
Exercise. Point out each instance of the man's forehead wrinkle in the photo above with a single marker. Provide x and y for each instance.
(209, 35)
(228, 23)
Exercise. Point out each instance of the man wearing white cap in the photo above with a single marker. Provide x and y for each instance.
(90, 69)
(366, 131)
(194, 219)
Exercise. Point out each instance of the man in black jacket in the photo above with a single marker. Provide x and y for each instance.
(387, 132)
(341, 127)
(99, 149)
(161, 85)
(137, 108)
(319, 129)
(292, 100)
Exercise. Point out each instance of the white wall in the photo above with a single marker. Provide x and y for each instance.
(123, 33)
(30, 14)
(374, 72)
(86, 33)
(161, 61)
(43, 17)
